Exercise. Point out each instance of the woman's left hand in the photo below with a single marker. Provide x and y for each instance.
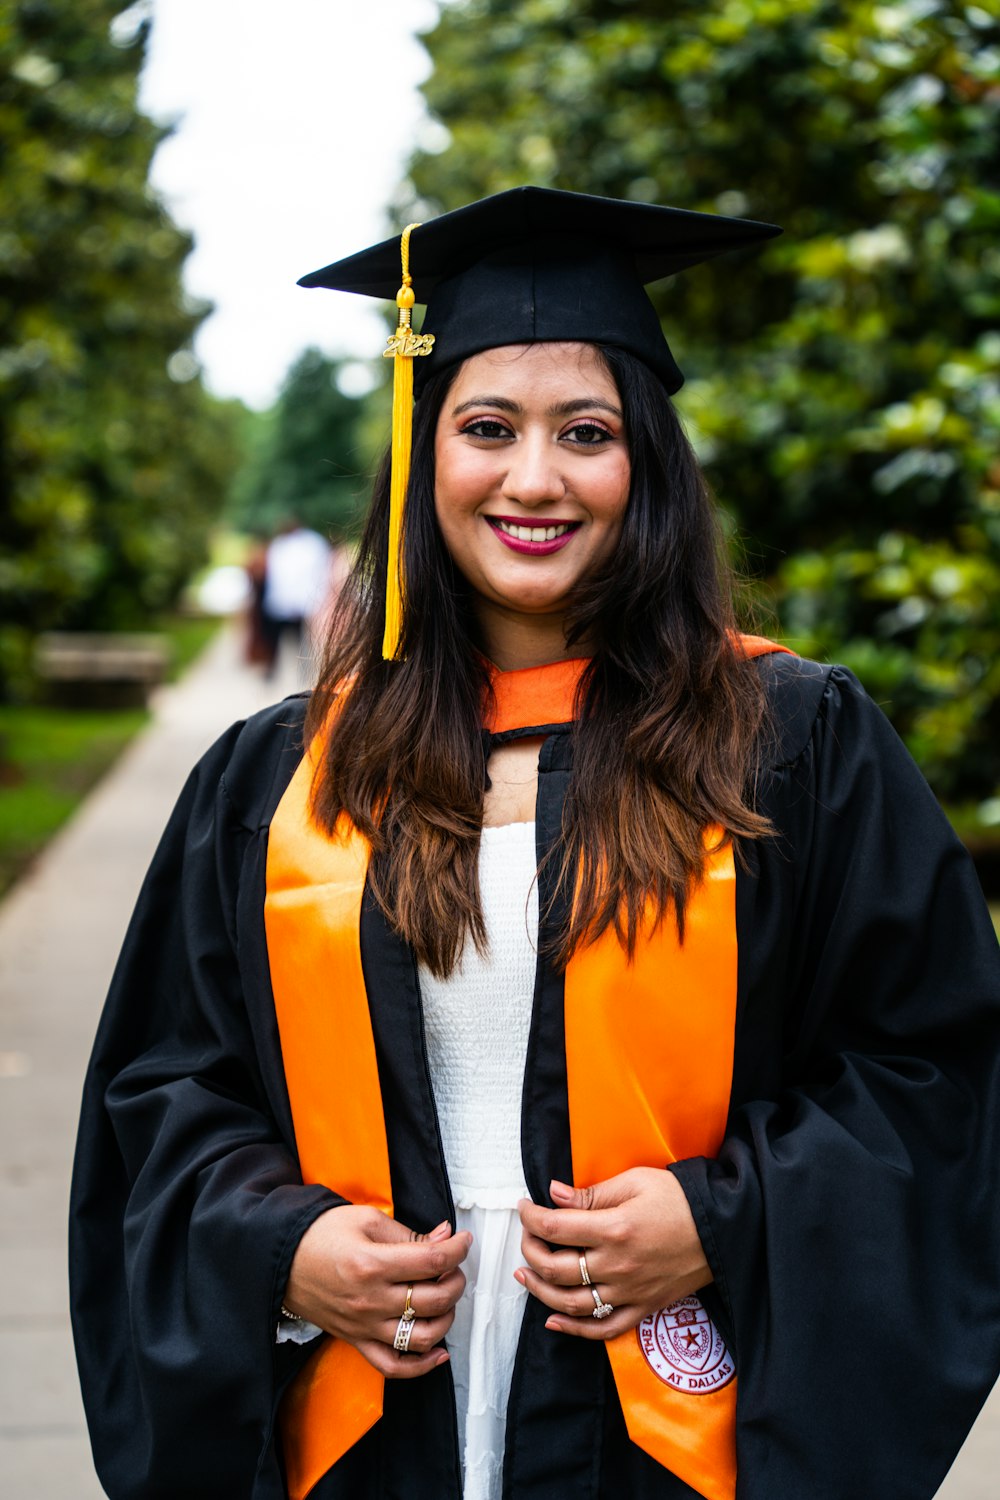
(641, 1244)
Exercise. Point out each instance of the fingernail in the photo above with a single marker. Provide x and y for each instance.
(519, 1276)
(442, 1232)
(560, 1189)
(552, 1325)
(439, 1362)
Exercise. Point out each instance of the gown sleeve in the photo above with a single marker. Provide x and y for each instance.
(187, 1200)
(852, 1218)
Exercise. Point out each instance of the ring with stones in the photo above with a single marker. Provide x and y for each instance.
(404, 1328)
(602, 1309)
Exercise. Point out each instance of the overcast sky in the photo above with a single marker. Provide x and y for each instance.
(295, 118)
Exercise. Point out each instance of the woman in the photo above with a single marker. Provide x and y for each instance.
(350, 1149)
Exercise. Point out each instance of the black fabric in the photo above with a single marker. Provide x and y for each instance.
(421, 1196)
(549, 291)
(557, 1390)
(537, 265)
(851, 1219)
(187, 1199)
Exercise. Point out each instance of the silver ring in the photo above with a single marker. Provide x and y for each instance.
(602, 1309)
(404, 1328)
(584, 1273)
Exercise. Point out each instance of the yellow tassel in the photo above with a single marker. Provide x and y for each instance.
(402, 437)
(401, 348)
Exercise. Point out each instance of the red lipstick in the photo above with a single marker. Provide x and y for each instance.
(541, 548)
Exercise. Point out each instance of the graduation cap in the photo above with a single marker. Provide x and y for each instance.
(531, 265)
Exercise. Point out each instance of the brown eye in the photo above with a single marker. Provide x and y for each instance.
(486, 427)
(589, 435)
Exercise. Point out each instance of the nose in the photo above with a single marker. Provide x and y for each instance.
(533, 474)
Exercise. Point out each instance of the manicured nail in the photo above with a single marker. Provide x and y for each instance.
(519, 1276)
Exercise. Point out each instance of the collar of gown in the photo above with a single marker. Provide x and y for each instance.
(537, 697)
(534, 697)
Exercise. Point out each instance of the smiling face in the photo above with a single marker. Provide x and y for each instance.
(532, 482)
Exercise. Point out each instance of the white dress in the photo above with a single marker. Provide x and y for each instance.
(477, 1023)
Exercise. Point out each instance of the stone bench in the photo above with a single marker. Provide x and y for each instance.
(81, 669)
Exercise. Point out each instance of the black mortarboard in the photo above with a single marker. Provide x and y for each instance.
(538, 265)
(532, 265)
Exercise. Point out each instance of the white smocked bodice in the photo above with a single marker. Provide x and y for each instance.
(477, 1023)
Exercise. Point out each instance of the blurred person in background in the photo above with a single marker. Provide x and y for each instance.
(560, 1058)
(256, 649)
(337, 573)
(296, 583)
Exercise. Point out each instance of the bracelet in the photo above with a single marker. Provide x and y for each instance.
(292, 1317)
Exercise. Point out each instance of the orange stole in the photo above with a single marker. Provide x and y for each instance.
(649, 1062)
(649, 1049)
(312, 914)
(535, 695)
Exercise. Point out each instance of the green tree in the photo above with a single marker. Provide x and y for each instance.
(851, 424)
(306, 457)
(112, 458)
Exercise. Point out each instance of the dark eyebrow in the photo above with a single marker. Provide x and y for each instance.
(565, 409)
(500, 402)
(585, 403)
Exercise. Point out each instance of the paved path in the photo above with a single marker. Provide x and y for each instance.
(60, 931)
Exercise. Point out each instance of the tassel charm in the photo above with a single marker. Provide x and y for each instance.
(402, 348)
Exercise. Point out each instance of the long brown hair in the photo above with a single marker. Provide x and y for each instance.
(671, 715)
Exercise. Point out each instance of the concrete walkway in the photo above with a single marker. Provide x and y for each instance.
(60, 931)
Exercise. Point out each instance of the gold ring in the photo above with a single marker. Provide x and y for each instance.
(584, 1273)
(408, 1312)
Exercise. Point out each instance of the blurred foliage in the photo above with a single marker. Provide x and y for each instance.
(851, 423)
(304, 457)
(917, 622)
(113, 459)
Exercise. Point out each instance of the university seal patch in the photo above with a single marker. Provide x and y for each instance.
(684, 1348)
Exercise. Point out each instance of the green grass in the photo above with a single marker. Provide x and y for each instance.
(49, 760)
(189, 635)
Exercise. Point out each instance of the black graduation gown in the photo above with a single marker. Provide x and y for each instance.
(851, 1219)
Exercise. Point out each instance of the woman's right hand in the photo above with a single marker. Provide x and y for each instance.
(349, 1276)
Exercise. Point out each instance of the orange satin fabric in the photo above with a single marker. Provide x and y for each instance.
(547, 695)
(759, 645)
(312, 914)
(649, 1059)
(534, 695)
